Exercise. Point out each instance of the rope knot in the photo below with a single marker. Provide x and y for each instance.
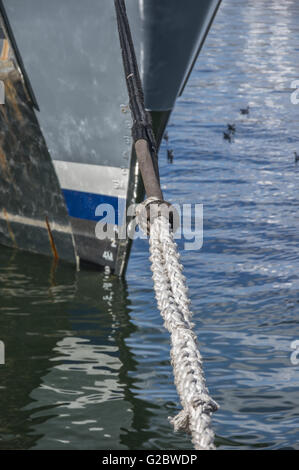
(151, 208)
(206, 402)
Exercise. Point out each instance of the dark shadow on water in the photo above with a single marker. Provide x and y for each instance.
(44, 305)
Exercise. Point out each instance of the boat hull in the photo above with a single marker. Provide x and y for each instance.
(68, 63)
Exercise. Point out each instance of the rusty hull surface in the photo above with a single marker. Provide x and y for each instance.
(33, 215)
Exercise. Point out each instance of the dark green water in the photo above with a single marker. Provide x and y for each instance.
(87, 356)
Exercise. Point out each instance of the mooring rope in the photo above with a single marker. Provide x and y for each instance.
(169, 282)
(173, 303)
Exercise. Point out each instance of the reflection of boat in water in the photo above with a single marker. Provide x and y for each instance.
(67, 374)
(65, 139)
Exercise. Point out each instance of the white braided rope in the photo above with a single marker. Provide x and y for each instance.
(173, 303)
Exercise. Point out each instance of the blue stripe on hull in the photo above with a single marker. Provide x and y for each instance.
(83, 205)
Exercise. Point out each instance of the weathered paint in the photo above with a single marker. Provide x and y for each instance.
(29, 188)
